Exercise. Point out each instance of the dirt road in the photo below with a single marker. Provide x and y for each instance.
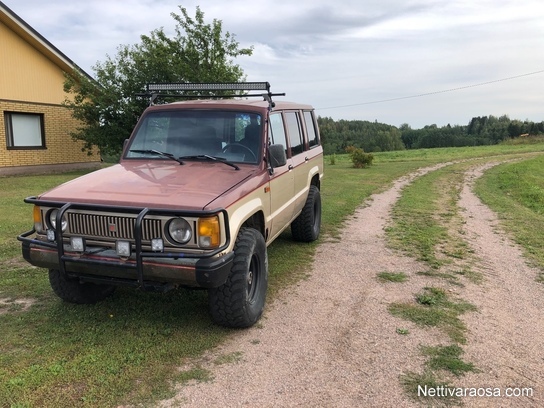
(330, 341)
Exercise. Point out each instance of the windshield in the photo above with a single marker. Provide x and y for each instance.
(189, 133)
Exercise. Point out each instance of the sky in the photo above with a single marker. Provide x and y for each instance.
(415, 62)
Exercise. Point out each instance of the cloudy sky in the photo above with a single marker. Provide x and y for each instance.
(419, 62)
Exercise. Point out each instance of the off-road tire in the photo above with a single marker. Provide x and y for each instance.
(73, 291)
(239, 302)
(307, 225)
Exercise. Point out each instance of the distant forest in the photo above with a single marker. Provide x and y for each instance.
(379, 137)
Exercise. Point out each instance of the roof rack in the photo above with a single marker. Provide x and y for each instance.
(156, 90)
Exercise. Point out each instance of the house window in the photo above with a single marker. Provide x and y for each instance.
(24, 130)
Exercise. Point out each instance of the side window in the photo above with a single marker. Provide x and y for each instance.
(313, 138)
(24, 130)
(295, 136)
(277, 131)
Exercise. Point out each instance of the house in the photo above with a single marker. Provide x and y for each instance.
(34, 126)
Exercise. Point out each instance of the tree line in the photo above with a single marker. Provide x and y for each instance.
(377, 137)
(336, 136)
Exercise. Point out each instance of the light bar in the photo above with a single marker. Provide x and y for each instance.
(222, 86)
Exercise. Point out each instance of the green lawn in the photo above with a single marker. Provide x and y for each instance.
(516, 192)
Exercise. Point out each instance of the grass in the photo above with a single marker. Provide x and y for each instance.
(426, 222)
(516, 192)
(398, 277)
(230, 358)
(103, 349)
(433, 308)
(15, 215)
(447, 358)
(402, 331)
(127, 349)
(414, 230)
(439, 359)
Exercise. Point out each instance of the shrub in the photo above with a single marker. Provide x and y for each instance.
(359, 158)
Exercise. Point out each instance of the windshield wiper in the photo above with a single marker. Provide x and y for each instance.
(213, 158)
(159, 153)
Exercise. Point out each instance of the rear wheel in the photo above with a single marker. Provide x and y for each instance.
(307, 225)
(239, 302)
(73, 291)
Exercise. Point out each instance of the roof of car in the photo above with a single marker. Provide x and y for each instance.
(235, 103)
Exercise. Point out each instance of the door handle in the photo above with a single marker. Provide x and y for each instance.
(290, 167)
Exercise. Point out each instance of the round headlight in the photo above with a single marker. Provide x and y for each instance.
(53, 220)
(179, 230)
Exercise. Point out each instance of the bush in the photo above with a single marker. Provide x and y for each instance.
(359, 158)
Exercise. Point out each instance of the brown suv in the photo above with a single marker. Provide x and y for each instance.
(202, 188)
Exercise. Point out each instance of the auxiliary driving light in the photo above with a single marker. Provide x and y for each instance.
(123, 249)
(50, 235)
(78, 244)
(157, 245)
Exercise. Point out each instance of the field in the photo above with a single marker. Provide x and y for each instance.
(126, 350)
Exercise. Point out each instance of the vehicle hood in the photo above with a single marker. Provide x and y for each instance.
(152, 184)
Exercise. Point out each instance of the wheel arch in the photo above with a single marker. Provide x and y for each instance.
(251, 215)
(256, 221)
(316, 181)
(314, 177)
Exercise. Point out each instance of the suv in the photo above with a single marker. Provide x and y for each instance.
(201, 189)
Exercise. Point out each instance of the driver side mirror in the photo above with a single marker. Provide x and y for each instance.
(277, 155)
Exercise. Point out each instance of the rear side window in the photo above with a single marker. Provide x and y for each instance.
(295, 136)
(313, 138)
(277, 131)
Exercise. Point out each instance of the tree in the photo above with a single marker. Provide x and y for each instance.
(108, 108)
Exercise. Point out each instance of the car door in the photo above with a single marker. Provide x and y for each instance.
(299, 160)
(282, 188)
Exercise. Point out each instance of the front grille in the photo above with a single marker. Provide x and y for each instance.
(111, 226)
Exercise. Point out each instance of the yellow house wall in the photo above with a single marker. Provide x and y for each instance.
(32, 83)
(60, 148)
(26, 74)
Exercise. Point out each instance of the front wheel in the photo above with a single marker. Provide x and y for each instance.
(307, 225)
(73, 291)
(239, 302)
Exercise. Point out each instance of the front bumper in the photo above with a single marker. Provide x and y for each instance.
(104, 266)
(143, 269)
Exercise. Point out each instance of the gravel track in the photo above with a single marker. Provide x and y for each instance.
(330, 341)
(506, 336)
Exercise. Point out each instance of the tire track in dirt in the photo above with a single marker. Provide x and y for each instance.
(506, 335)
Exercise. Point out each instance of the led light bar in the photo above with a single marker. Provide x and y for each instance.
(223, 86)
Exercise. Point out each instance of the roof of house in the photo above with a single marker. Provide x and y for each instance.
(39, 42)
